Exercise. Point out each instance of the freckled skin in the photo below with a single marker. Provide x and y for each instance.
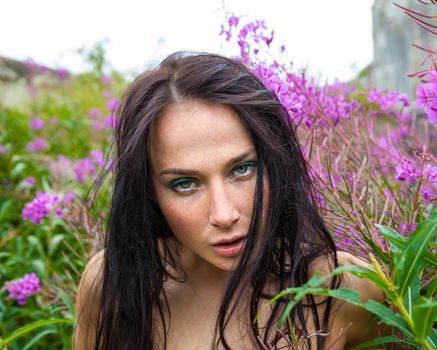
(203, 137)
(216, 203)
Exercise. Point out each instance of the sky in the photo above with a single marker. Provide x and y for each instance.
(332, 39)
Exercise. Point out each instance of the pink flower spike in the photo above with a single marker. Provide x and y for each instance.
(111, 121)
(43, 68)
(233, 21)
(38, 144)
(95, 112)
(63, 73)
(83, 167)
(30, 63)
(2, 149)
(112, 104)
(36, 123)
(22, 288)
(68, 197)
(40, 207)
(30, 181)
(97, 157)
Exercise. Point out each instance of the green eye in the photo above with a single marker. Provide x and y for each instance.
(242, 169)
(182, 184)
(245, 168)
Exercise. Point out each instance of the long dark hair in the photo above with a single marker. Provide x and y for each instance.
(139, 246)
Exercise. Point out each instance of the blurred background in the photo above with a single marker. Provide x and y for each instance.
(336, 39)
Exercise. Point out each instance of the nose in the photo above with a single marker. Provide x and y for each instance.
(223, 212)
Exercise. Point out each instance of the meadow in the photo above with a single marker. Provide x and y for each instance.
(371, 156)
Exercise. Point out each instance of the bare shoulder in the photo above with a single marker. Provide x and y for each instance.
(362, 326)
(87, 302)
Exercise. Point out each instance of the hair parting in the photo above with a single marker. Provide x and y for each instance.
(140, 247)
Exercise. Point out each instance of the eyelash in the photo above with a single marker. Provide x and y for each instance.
(178, 182)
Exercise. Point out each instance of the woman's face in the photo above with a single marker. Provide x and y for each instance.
(204, 174)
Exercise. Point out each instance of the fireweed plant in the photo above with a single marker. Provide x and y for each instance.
(374, 170)
(52, 147)
(376, 177)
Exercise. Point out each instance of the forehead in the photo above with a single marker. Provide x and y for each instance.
(195, 132)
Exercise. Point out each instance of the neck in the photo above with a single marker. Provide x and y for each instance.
(202, 276)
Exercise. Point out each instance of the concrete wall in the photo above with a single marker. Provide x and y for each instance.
(393, 34)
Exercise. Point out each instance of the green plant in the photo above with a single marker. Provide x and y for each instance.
(412, 308)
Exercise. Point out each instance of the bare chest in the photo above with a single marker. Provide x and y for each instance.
(192, 326)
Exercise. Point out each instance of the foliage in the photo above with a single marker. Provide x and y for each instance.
(373, 168)
(50, 151)
(376, 181)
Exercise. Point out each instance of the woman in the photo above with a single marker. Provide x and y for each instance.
(212, 214)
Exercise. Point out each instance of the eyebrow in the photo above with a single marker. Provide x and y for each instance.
(232, 161)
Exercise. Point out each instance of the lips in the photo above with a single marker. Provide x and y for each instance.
(230, 247)
(228, 240)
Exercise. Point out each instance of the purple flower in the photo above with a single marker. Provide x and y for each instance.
(106, 79)
(63, 73)
(36, 123)
(233, 21)
(429, 193)
(40, 207)
(406, 171)
(108, 93)
(53, 120)
(30, 63)
(387, 99)
(43, 68)
(38, 144)
(427, 97)
(94, 112)
(2, 149)
(97, 157)
(68, 197)
(430, 171)
(61, 167)
(30, 181)
(112, 104)
(111, 121)
(98, 125)
(22, 288)
(82, 167)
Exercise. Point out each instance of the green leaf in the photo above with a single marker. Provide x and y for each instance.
(364, 272)
(387, 316)
(398, 243)
(37, 244)
(383, 312)
(431, 288)
(54, 243)
(69, 303)
(382, 340)
(31, 326)
(412, 263)
(5, 208)
(37, 337)
(18, 169)
(432, 339)
(39, 267)
(424, 316)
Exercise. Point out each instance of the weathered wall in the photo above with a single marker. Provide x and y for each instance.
(13, 75)
(393, 34)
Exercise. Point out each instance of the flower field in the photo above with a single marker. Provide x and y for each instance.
(371, 155)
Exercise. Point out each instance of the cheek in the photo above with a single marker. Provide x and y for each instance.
(183, 219)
